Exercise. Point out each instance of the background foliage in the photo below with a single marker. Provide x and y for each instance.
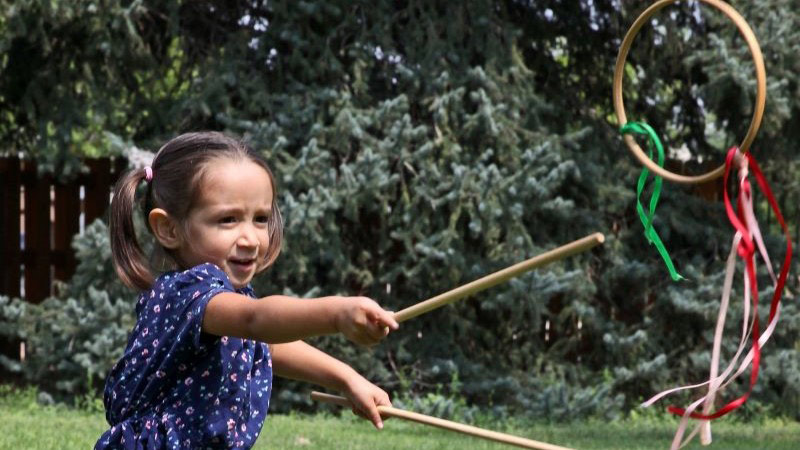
(418, 146)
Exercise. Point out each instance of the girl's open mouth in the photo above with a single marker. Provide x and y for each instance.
(242, 263)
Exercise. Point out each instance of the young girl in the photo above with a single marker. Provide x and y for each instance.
(197, 372)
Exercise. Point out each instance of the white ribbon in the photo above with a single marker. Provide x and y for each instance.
(717, 382)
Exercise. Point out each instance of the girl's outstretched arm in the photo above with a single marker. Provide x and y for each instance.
(300, 361)
(279, 318)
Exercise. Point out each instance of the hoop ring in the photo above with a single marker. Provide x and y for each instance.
(761, 92)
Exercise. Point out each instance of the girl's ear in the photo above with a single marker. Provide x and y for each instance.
(165, 228)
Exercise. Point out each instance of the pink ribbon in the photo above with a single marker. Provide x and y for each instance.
(746, 238)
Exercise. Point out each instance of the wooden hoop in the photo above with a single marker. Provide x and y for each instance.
(761, 93)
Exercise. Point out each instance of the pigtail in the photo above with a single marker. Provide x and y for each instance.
(129, 260)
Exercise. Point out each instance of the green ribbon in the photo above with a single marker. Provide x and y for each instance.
(647, 219)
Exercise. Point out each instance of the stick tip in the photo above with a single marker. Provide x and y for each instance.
(600, 237)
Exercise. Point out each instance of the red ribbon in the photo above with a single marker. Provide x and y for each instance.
(746, 251)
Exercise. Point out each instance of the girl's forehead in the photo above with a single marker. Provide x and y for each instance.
(228, 180)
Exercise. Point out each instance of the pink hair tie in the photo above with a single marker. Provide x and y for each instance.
(148, 174)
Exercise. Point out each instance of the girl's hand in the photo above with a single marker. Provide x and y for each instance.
(366, 397)
(362, 321)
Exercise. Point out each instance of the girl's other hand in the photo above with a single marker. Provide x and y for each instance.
(363, 321)
(366, 397)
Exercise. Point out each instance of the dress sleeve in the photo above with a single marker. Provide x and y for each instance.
(191, 292)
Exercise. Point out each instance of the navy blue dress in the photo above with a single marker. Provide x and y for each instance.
(177, 387)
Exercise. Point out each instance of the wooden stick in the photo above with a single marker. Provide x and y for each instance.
(500, 276)
(388, 411)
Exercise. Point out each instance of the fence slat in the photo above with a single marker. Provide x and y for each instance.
(36, 256)
(67, 225)
(10, 253)
(97, 188)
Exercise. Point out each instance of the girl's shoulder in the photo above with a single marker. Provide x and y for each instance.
(185, 285)
(202, 274)
(202, 277)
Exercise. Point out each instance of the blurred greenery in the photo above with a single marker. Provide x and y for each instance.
(421, 145)
(22, 416)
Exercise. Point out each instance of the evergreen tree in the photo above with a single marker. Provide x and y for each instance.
(421, 145)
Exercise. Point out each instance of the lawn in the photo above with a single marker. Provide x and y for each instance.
(25, 424)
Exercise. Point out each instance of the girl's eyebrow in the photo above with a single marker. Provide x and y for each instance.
(216, 209)
(235, 209)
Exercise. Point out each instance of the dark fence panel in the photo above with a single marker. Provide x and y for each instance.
(10, 255)
(39, 215)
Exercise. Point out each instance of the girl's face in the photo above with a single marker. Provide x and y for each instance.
(228, 224)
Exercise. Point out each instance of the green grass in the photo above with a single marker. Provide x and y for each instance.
(25, 424)
(319, 432)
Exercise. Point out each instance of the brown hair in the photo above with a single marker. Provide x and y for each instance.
(177, 169)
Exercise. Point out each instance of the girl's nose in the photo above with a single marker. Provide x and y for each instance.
(248, 236)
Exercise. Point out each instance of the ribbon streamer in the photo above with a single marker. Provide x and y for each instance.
(746, 238)
(647, 219)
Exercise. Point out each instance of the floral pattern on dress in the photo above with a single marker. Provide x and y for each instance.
(177, 387)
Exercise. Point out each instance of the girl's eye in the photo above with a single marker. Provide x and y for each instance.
(228, 219)
(262, 219)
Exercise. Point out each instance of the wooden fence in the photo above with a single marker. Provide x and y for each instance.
(39, 215)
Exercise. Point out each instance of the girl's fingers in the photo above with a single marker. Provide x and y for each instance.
(365, 398)
(383, 400)
(376, 332)
(372, 333)
(378, 324)
(365, 338)
(383, 323)
(383, 317)
(386, 318)
(375, 417)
